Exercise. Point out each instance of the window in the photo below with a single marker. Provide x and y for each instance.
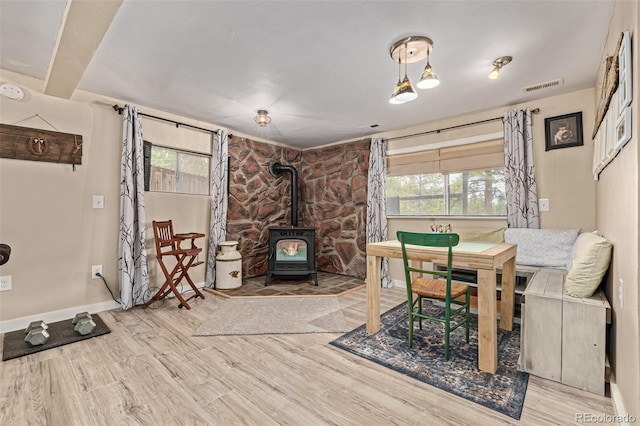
(455, 180)
(470, 193)
(174, 170)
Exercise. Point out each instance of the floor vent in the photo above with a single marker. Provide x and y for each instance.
(540, 86)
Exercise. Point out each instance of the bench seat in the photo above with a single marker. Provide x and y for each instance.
(563, 338)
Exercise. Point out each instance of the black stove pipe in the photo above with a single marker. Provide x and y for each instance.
(276, 169)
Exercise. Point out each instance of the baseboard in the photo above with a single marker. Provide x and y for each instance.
(398, 283)
(23, 322)
(63, 314)
(622, 417)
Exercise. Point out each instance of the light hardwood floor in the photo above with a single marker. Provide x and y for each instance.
(150, 370)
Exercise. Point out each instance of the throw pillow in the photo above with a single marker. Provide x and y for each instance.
(590, 263)
(547, 248)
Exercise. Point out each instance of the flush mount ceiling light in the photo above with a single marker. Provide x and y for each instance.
(262, 118)
(409, 50)
(497, 66)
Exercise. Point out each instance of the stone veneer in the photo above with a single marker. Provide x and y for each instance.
(334, 201)
(332, 197)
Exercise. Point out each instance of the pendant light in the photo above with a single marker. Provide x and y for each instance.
(404, 91)
(429, 79)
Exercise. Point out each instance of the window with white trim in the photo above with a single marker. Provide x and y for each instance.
(466, 180)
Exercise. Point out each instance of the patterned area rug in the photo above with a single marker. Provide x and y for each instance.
(503, 392)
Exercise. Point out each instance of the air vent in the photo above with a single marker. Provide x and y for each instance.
(540, 86)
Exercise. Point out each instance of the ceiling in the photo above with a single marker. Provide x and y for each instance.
(321, 68)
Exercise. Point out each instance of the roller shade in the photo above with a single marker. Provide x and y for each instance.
(475, 156)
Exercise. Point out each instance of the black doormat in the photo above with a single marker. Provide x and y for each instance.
(60, 333)
(503, 391)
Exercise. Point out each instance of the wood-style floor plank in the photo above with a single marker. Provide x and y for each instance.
(150, 370)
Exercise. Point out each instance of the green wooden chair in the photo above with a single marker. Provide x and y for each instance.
(432, 288)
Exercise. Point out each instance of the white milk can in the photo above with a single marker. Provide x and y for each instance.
(228, 266)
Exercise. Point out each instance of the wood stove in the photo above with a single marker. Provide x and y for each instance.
(292, 250)
(292, 253)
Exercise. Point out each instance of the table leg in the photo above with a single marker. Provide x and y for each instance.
(374, 264)
(487, 326)
(507, 298)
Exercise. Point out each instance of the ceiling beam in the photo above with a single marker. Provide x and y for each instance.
(83, 28)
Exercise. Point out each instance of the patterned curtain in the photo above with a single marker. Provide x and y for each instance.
(519, 175)
(219, 183)
(132, 250)
(377, 201)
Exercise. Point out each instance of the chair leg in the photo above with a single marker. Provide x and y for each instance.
(447, 329)
(420, 310)
(410, 306)
(467, 313)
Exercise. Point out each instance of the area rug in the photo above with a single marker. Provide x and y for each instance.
(503, 391)
(274, 315)
(60, 333)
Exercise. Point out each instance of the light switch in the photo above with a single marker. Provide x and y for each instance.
(98, 201)
(543, 204)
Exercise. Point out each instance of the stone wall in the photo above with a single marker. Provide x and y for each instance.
(257, 200)
(334, 201)
(332, 197)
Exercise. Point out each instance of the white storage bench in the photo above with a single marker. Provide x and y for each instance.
(563, 338)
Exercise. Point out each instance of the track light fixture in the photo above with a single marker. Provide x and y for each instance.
(412, 49)
(497, 66)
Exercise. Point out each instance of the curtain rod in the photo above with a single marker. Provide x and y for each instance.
(119, 109)
(534, 111)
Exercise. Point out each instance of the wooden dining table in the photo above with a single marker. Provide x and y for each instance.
(486, 258)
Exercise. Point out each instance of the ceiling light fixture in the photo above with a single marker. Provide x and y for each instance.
(412, 49)
(497, 66)
(404, 91)
(429, 79)
(262, 118)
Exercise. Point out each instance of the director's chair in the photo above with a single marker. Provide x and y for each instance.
(168, 245)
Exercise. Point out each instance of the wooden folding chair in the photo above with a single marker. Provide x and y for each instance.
(168, 245)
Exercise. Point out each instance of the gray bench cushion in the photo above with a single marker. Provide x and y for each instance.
(547, 248)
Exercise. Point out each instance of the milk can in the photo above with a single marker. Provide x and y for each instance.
(228, 266)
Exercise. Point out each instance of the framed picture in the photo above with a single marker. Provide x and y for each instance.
(563, 131)
(623, 128)
(624, 72)
(609, 137)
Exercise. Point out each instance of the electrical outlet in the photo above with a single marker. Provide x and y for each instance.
(5, 283)
(620, 293)
(95, 270)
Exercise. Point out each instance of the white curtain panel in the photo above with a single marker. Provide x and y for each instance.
(520, 181)
(377, 201)
(219, 200)
(132, 253)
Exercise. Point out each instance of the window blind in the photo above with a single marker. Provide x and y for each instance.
(474, 156)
